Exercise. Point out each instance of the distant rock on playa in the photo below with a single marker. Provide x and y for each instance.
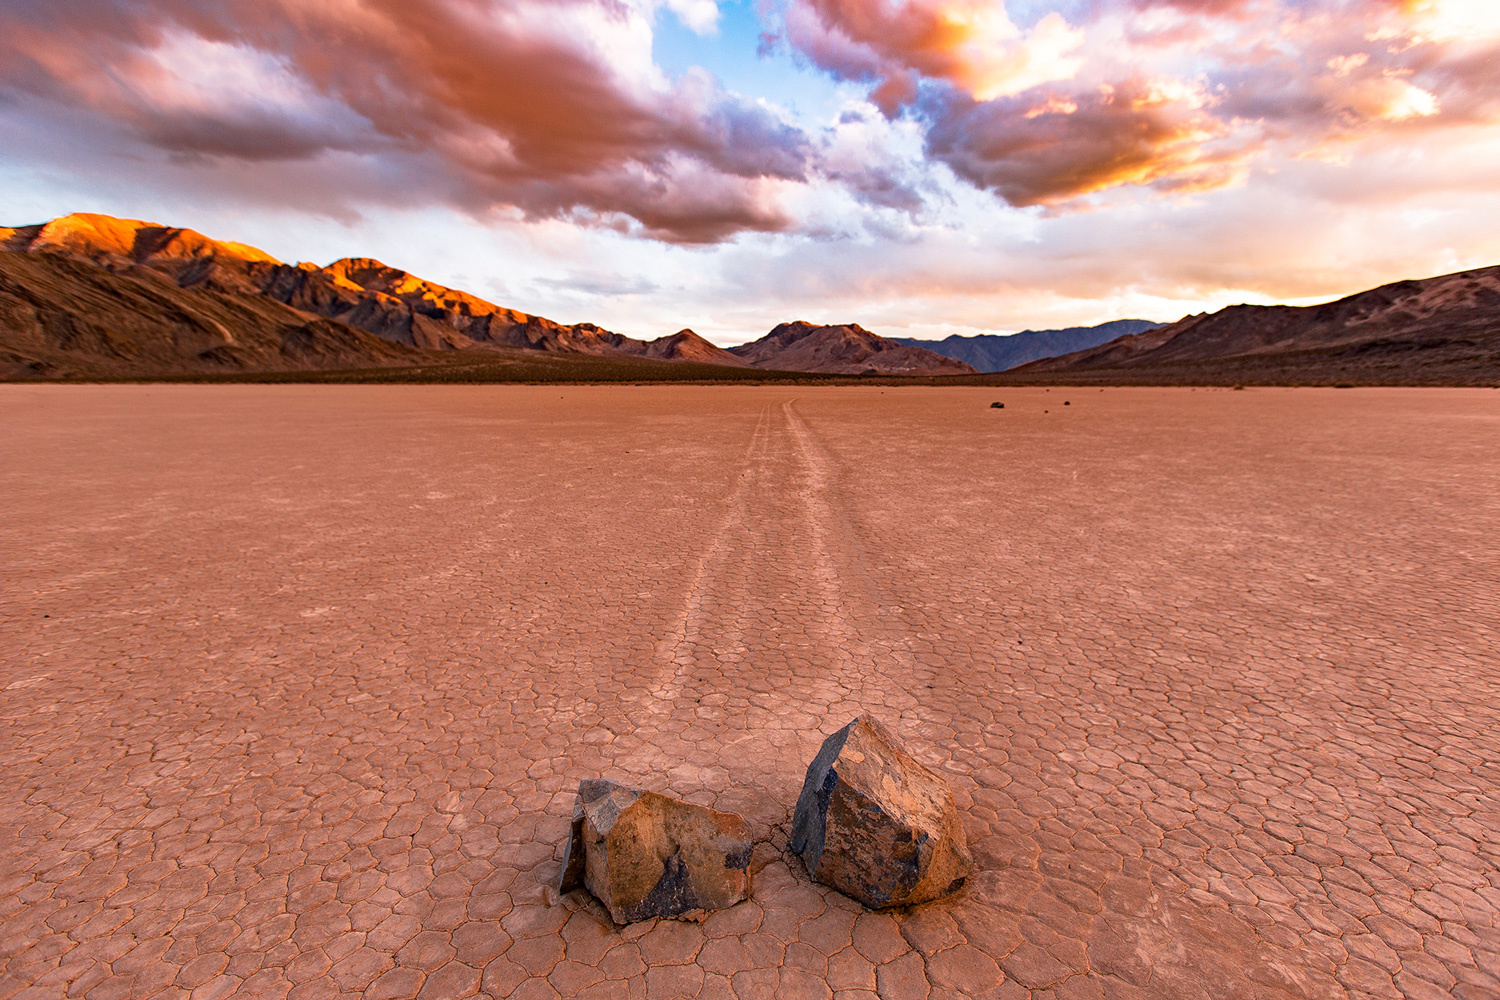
(876, 824)
(646, 855)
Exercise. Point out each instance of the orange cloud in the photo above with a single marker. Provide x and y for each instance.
(553, 109)
(524, 103)
(972, 44)
(1053, 112)
(1135, 133)
(1451, 19)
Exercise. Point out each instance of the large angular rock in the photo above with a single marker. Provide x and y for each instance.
(646, 855)
(875, 824)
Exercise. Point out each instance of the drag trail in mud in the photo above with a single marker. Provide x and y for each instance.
(298, 683)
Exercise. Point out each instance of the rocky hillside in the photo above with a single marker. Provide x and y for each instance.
(685, 345)
(1001, 352)
(1434, 330)
(92, 295)
(365, 294)
(846, 349)
(62, 317)
(400, 306)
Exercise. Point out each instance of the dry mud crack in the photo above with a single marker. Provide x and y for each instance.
(296, 684)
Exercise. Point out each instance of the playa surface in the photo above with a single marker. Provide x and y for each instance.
(299, 682)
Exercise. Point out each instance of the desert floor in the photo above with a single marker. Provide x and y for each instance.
(299, 682)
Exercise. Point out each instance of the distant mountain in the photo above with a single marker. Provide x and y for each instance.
(846, 349)
(685, 345)
(91, 295)
(988, 352)
(1434, 330)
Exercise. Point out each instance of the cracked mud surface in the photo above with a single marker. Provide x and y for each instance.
(297, 684)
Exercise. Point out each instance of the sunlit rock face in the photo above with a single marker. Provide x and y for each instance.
(646, 855)
(876, 824)
(360, 292)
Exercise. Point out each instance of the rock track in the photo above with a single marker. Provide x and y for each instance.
(296, 684)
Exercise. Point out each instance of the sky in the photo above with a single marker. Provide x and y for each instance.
(920, 167)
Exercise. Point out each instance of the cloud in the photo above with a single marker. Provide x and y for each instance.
(980, 167)
(1064, 147)
(700, 16)
(553, 108)
(1172, 96)
(971, 44)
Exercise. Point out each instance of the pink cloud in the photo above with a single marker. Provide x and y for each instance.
(521, 103)
(971, 44)
(1171, 95)
(1064, 148)
(553, 109)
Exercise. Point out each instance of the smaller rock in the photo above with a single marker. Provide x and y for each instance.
(646, 855)
(876, 824)
(997, 406)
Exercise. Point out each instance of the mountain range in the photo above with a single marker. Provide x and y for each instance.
(63, 316)
(1442, 330)
(848, 349)
(92, 296)
(990, 352)
(95, 295)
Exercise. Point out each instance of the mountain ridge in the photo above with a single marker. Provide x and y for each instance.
(845, 348)
(92, 295)
(397, 306)
(367, 295)
(357, 291)
(62, 316)
(1443, 327)
(990, 353)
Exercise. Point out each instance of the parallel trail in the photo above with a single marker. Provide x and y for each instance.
(676, 650)
(299, 686)
(783, 601)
